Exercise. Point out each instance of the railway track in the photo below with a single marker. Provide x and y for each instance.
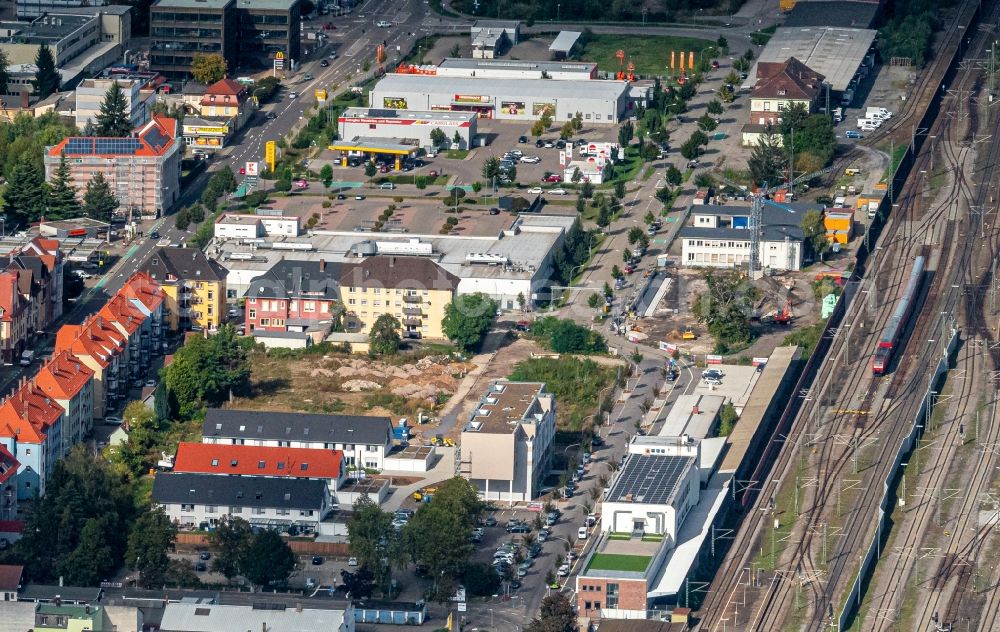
(724, 604)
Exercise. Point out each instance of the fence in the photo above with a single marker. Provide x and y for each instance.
(299, 547)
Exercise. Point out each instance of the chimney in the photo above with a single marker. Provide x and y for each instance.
(24, 100)
(392, 262)
(694, 410)
(322, 265)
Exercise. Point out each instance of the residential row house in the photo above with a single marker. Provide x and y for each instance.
(298, 295)
(216, 115)
(194, 287)
(30, 295)
(8, 490)
(54, 410)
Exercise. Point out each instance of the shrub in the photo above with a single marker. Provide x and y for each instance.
(327, 204)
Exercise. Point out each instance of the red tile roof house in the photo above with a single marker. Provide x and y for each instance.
(127, 318)
(779, 85)
(15, 318)
(48, 252)
(229, 99)
(10, 581)
(31, 430)
(248, 460)
(68, 381)
(148, 296)
(100, 346)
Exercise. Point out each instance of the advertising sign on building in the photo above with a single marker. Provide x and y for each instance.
(512, 107)
(562, 158)
(471, 98)
(538, 109)
(279, 61)
(394, 103)
(252, 168)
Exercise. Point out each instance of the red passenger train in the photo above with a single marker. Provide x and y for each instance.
(900, 317)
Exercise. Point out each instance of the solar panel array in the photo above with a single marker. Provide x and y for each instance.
(155, 138)
(89, 146)
(649, 479)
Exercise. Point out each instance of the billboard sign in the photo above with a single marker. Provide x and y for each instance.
(394, 103)
(538, 109)
(713, 359)
(270, 149)
(512, 108)
(562, 158)
(253, 168)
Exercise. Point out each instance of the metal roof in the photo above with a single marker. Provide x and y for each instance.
(649, 479)
(583, 67)
(835, 53)
(241, 491)
(211, 5)
(564, 42)
(506, 88)
(191, 617)
(287, 426)
(417, 115)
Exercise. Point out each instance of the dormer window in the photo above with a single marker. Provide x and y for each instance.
(781, 92)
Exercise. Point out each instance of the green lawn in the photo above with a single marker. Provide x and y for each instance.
(456, 154)
(649, 53)
(610, 562)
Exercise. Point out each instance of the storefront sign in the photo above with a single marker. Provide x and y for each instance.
(195, 129)
(471, 98)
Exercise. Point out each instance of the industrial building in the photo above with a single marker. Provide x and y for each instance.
(491, 38)
(408, 127)
(91, 92)
(515, 262)
(836, 54)
(564, 43)
(508, 99)
(511, 69)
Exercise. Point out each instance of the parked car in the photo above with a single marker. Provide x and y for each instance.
(359, 196)
(549, 144)
(715, 64)
(853, 134)
(536, 190)
(387, 185)
(552, 177)
(301, 184)
(113, 421)
(539, 143)
(293, 95)
(522, 139)
(713, 373)
(490, 521)
(531, 160)
(324, 64)
(557, 191)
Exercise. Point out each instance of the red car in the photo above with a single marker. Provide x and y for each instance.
(433, 173)
(243, 171)
(715, 64)
(555, 177)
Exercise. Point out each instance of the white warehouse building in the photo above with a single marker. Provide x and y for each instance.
(509, 99)
(408, 126)
(516, 69)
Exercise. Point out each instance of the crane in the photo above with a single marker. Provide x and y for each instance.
(758, 199)
(620, 54)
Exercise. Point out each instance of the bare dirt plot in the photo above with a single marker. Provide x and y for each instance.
(341, 383)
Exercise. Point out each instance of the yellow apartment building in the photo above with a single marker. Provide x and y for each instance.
(194, 285)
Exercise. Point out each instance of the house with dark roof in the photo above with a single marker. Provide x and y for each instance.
(364, 441)
(293, 296)
(143, 169)
(194, 287)
(10, 581)
(196, 501)
(720, 237)
(781, 85)
(414, 290)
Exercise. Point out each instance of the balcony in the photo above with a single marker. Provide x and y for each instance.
(413, 311)
(412, 322)
(412, 298)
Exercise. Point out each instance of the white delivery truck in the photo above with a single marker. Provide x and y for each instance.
(838, 115)
(878, 113)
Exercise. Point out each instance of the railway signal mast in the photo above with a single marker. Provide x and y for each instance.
(758, 199)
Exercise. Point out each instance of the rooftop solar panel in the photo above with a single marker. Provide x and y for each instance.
(651, 479)
(155, 138)
(116, 145)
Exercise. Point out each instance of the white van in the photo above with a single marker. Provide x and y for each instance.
(581, 533)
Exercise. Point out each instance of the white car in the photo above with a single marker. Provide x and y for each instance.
(536, 190)
(383, 24)
(531, 160)
(113, 421)
(83, 275)
(557, 191)
(352, 561)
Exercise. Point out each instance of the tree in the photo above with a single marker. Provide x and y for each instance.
(767, 160)
(564, 336)
(537, 128)
(634, 235)
(625, 133)
(62, 202)
(814, 232)
(113, 118)
(206, 370)
(420, 182)
(578, 121)
(373, 539)
(594, 300)
(587, 190)
(707, 123)
(674, 176)
(24, 198)
(151, 537)
(620, 189)
(723, 44)
(626, 256)
(4, 74)
(438, 138)
(232, 538)
(284, 185)
(384, 336)
(616, 272)
(208, 69)
(649, 218)
(566, 131)
(481, 580)
(326, 173)
(725, 308)
(604, 216)
(814, 136)
(360, 584)
(556, 615)
(47, 78)
(370, 170)
(691, 149)
(182, 219)
(99, 202)
(491, 169)
(793, 117)
(269, 560)
(468, 318)
(457, 139)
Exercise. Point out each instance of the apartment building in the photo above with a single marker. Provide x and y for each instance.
(48, 253)
(270, 461)
(125, 316)
(293, 296)
(720, 237)
(239, 30)
(70, 383)
(8, 506)
(100, 346)
(199, 501)
(31, 431)
(506, 447)
(781, 85)
(364, 441)
(90, 95)
(143, 169)
(15, 318)
(415, 290)
(148, 297)
(194, 287)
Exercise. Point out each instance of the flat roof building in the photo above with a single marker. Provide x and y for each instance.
(90, 94)
(835, 53)
(506, 446)
(562, 46)
(512, 99)
(408, 126)
(491, 38)
(694, 415)
(515, 69)
(214, 617)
